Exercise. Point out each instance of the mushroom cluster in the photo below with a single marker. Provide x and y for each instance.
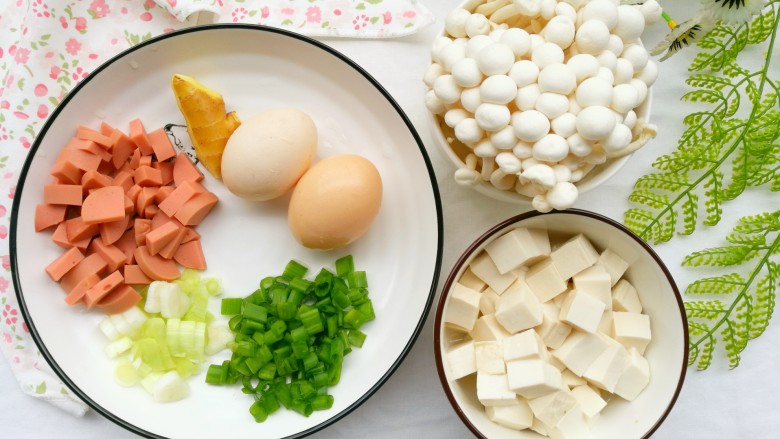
(541, 91)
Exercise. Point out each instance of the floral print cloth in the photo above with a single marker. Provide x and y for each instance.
(47, 46)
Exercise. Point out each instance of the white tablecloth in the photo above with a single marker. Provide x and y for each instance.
(717, 403)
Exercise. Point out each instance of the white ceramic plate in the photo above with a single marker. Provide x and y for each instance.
(254, 69)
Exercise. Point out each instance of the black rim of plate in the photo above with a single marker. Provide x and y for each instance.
(205, 28)
(504, 225)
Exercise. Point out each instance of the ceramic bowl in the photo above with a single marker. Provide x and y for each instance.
(667, 353)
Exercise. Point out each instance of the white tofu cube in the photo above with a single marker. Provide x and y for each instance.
(533, 378)
(462, 308)
(571, 426)
(570, 380)
(518, 308)
(556, 363)
(517, 247)
(613, 264)
(625, 297)
(574, 256)
(589, 400)
(558, 300)
(490, 357)
(550, 408)
(488, 301)
(582, 311)
(516, 416)
(605, 325)
(539, 427)
(524, 345)
(635, 377)
(487, 328)
(461, 360)
(552, 331)
(605, 372)
(632, 330)
(545, 280)
(580, 350)
(596, 282)
(484, 268)
(469, 279)
(493, 390)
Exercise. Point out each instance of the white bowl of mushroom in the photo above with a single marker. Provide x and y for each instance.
(535, 101)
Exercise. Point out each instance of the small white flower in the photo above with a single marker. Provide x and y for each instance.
(683, 35)
(732, 11)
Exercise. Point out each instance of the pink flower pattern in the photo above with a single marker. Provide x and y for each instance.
(49, 46)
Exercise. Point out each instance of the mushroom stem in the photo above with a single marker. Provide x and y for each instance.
(501, 180)
(643, 132)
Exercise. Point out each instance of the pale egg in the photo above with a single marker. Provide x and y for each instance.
(335, 202)
(268, 153)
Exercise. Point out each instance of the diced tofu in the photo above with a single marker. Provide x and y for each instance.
(632, 330)
(552, 331)
(550, 408)
(605, 372)
(488, 301)
(516, 416)
(580, 350)
(462, 308)
(589, 400)
(558, 300)
(469, 279)
(533, 378)
(613, 264)
(487, 328)
(461, 360)
(484, 268)
(490, 357)
(518, 308)
(571, 380)
(556, 363)
(596, 282)
(574, 256)
(625, 297)
(571, 426)
(539, 427)
(545, 280)
(518, 247)
(582, 311)
(605, 325)
(524, 345)
(635, 377)
(493, 390)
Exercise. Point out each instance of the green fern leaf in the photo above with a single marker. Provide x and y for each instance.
(730, 344)
(665, 181)
(690, 209)
(649, 199)
(704, 96)
(718, 256)
(705, 309)
(705, 353)
(754, 240)
(726, 284)
(703, 80)
(766, 294)
(761, 27)
(767, 221)
(712, 203)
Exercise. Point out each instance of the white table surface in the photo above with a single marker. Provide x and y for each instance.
(717, 403)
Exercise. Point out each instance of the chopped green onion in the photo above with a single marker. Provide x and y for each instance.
(231, 307)
(291, 336)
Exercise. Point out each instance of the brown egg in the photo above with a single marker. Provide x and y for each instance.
(335, 202)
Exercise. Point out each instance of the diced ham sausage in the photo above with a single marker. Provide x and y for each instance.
(81, 159)
(135, 276)
(48, 216)
(163, 193)
(154, 266)
(102, 288)
(184, 170)
(104, 205)
(190, 255)
(138, 134)
(141, 227)
(90, 134)
(60, 237)
(66, 172)
(170, 249)
(147, 176)
(163, 149)
(67, 194)
(193, 211)
(94, 180)
(77, 294)
(110, 232)
(114, 257)
(91, 264)
(119, 300)
(64, 263)
(123, 179)
(183, 193)
(158, 238)
(122, 148)
(77, 230)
